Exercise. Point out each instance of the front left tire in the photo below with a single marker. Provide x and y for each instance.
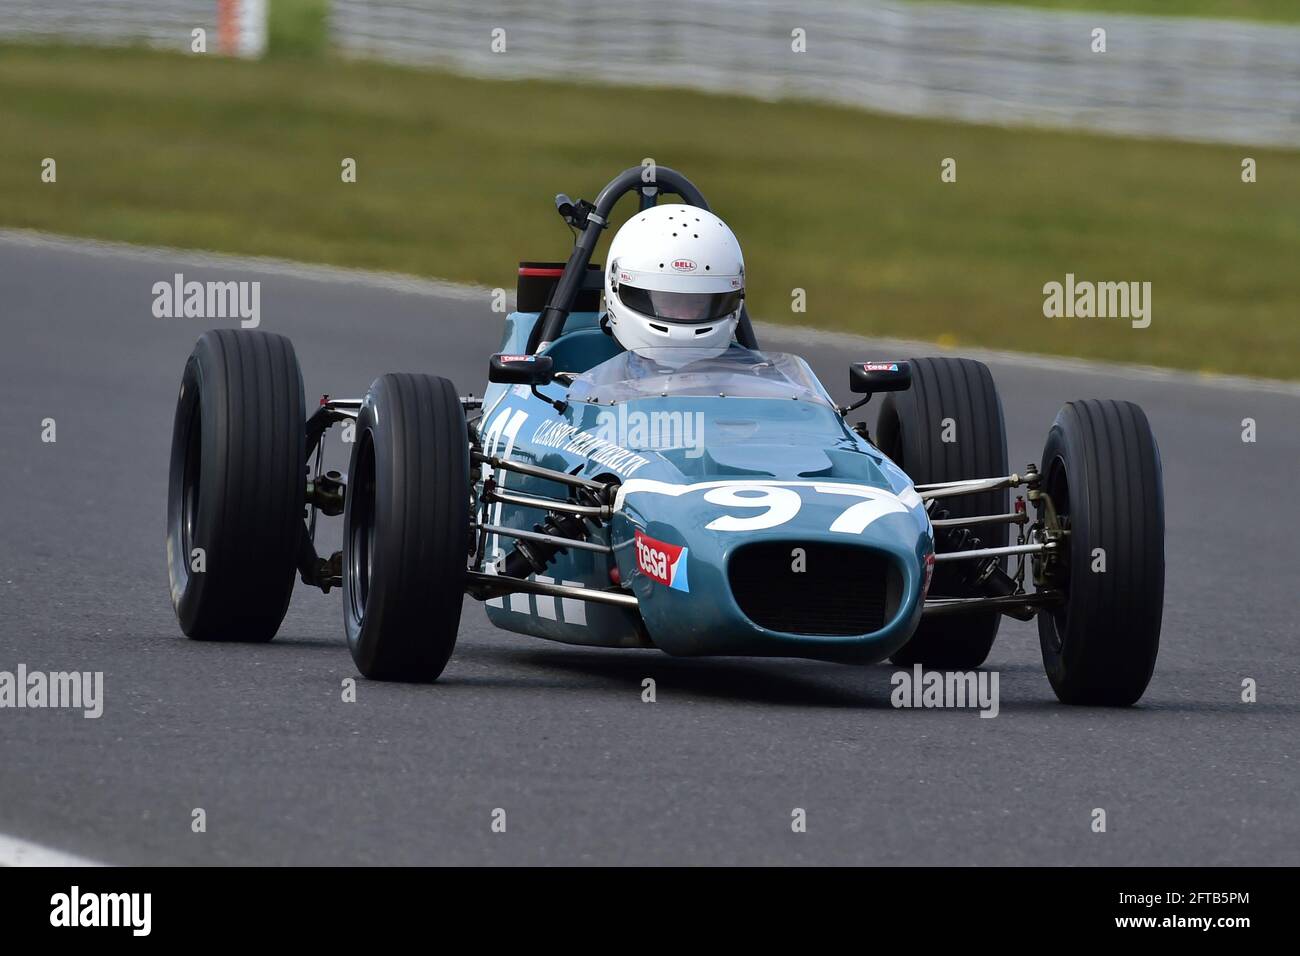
(406, 528)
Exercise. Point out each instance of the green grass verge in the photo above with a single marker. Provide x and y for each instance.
(297, 27)
(455, 177)
(1282, 11)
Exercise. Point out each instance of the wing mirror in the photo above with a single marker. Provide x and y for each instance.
(866, 378)
(534, 370)
(530, 370)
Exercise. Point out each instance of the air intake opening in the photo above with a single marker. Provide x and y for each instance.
(815, 588)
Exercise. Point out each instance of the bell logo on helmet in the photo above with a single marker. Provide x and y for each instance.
(684, 265)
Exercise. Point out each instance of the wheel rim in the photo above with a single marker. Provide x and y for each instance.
(1057, 487)
(190, 483)
(361, 528)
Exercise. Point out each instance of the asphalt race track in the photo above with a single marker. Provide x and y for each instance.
(558, 737)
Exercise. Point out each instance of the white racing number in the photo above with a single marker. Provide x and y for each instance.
(779, 502)
(504, 429)
(779, 506)
(855, 518)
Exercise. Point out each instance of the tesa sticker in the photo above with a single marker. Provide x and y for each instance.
(662, 562)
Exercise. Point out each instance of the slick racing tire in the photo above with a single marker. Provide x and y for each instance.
(406, 528)
(1101, 469)
(236, 486)
(948, 427)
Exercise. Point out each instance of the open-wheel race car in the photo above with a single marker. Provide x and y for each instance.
(687, 493)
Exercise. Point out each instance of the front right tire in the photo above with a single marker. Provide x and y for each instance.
(1101, 468)
(406, 528)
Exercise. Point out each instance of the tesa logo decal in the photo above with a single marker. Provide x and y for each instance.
(519, 358)
(662, 562)
(684, 265)
(880, 366)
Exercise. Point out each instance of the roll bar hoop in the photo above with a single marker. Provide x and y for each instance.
(664, 180)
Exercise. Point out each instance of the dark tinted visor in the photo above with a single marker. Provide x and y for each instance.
(680, 306)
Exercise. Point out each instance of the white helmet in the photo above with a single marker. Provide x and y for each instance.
(675, 278)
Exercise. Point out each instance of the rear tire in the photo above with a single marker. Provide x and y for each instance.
(1101, 467)
(910, 430)
(406, 528)
(236, 486)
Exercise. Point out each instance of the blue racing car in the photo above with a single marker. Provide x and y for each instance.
(641, 474)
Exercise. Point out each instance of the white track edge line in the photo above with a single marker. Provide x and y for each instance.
(465, 292)
(18, 852)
